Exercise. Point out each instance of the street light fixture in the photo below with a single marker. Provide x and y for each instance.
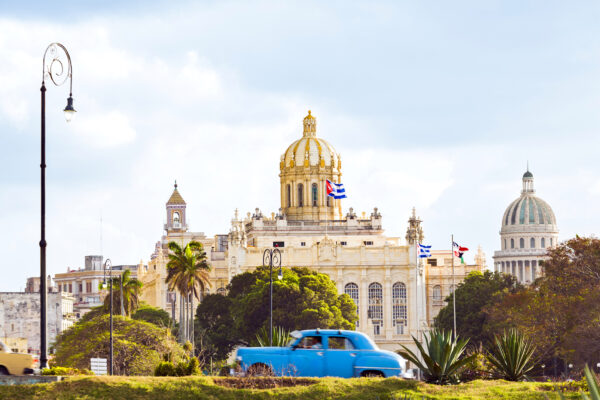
(56, 65)
(272, 257)
(108, 266)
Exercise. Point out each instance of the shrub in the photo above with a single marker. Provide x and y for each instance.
(63, 371)
(477, 368)
(512, 355)
(165, 368)
(441, 356)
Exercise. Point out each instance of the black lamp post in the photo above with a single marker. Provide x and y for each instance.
(272, 257)
(57, 66)
(108, 266)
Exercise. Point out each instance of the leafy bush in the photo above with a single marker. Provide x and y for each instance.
(477, 368)
(154, 315)
(64, 371)
(138, 346)
(165, 368)
(512, 355)
(441, 356)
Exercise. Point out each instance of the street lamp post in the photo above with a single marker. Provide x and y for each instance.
(108, 266)
(272, 257)
(56, 65)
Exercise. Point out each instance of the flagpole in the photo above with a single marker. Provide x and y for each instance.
(453, 289)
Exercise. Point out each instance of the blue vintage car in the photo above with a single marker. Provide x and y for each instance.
(317, 352)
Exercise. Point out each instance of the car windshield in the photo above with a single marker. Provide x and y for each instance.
(292, 341)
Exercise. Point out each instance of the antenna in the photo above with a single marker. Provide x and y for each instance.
(101, 249)
(527, 165)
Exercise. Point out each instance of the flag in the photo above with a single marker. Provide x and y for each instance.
(424, 251)
(336, 190)
(459, 251)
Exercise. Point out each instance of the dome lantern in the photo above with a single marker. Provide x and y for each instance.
(528, 182)
(310, 126)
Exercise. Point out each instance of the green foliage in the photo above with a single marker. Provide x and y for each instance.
(153, 315)
(63, 371)
(477, 368)
(187, 269)
(183, 368)
(561, 310)
(280, 336)
(131, 294)
(303, 299)
(441, 356)
(477, 292)
(512, 355)
(138, 346)
(592, 384)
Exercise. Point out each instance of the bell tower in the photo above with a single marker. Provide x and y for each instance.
(176, 212)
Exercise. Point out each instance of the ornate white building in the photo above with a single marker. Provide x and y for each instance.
(528, 229)
(379, 273)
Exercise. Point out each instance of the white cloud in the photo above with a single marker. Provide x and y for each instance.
(108, 129)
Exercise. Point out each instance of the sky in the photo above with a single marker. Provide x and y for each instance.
(431, 104)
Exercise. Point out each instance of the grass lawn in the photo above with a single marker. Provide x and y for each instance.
(96, 387)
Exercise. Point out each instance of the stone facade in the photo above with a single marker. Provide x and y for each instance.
(20, 317)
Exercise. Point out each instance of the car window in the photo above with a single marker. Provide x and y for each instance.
(339, 343)
(311, 342)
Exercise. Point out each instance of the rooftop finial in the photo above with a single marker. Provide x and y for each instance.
(310, 125)
(175, 183)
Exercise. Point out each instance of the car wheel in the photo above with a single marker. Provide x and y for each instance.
(372, 374)
(3, 370)
(259, 369)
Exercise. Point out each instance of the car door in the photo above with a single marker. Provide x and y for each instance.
(308, 357)
(340, 354)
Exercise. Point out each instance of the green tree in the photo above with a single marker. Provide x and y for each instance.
(153, 315)
(303, 299)
(187, 272)
(131, 289)
(473, 295)
(138, 346)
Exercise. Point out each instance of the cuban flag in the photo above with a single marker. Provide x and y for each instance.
(424, 251)
(459, 251)
(336, 190)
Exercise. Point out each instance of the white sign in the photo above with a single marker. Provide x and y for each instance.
(98, 366)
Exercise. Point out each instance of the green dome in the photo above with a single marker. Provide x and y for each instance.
(527, 175)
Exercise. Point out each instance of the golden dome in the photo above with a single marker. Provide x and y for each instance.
(310, 150)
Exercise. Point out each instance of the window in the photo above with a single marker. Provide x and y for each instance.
(522, 243)
(300, 195)
(543, 244)
(343, 243)
(437, 293)
(551, 244)
(351, 289)
(375, 310)
(432, 262)
(315, 195)
(221, 291)
(289, 196)
(532, 243)
(302, 244)
(339, 343)
(368, 243)
(88, 287)
(59, 288)
(505, 243)
(278, 244)
(512, 243)
(376, 329)
(399, 315)
(328, 201)
(311, 342)
(80, 288)
(176, 217)
(70, 288)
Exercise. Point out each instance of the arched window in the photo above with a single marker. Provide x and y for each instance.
(543, 243)
(532, 243)
(351, 289)
(176, 217)
(399, 315)
(288, 195)
(437, 293)
(221, 291)
(512, 243)
(375, 311)
(522, 243)
(315, 195)
(300, 195)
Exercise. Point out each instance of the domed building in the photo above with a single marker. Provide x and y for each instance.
(528, 229)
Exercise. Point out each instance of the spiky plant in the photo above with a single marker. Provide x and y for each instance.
(440, 358)
(511, 355)
(281, 336)
(593, 387)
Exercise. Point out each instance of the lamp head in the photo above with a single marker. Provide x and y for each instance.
(69, 110)
(280, 274)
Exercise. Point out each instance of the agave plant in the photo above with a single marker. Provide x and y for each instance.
(512, 355)
(440, 357)
(592, 387)
(280, 336)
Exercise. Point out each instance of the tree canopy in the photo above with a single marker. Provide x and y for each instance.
(473, 295)
(138, 346)
(560, 310)
(303, 299)
(153, 315)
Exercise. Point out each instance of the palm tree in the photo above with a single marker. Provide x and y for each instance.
(187, 272)
(127, 288)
